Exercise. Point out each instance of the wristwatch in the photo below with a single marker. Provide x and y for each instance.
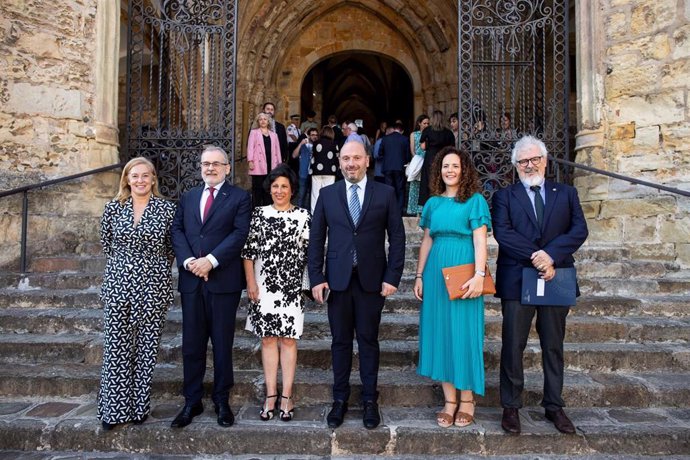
(480, 273)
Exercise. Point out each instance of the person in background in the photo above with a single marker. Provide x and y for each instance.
(309, 122)
(395, 151)
(434, 138)
(455, 220)
(455, 127)
(269, 108)
(378, 160)
(303, 152)
(263, 154)
(324, 163)
(413, 207)
(136, 292)
(275, 256)
(381, 131)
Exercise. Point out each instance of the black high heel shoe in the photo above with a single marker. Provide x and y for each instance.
(265, 413)
(108, 426)
(286, 416)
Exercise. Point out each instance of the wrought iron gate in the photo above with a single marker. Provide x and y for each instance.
(180, 85)
(513, 67)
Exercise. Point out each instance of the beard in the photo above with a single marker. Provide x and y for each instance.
(532, 180)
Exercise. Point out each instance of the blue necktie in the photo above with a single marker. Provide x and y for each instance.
(355, 210)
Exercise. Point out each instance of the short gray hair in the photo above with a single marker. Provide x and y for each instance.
(353, 127)
(215, 148)
(525, 143)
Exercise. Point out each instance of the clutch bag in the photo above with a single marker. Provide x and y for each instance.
(458, 275)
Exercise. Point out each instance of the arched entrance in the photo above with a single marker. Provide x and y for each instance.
(356, 85)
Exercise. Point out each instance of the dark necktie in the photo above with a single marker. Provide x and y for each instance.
(538, 204)
(209, 203)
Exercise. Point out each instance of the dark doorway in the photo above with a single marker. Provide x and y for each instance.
(370, 87)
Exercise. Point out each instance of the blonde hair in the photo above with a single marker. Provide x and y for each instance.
(125, 191)
(264, 114)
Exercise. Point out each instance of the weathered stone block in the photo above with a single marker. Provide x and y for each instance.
(681, 41)
(649, 110)
(601, 230)
(622, 131)
(647, 137)
(676, 137)
(640, 229)
(40, 45)
(591, 209)
(650, 15)
(45, 100)
(650, 162)
(639, 208)
(633, 80)
(592, 188)
(658, 251)
(683, 252)
(676, 74)
(616, 26)
(677, 231)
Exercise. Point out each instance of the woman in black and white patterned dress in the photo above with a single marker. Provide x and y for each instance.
(136, 292)
(324, 163)
(275, 256)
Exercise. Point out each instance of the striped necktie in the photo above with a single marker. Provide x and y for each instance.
(355, 210)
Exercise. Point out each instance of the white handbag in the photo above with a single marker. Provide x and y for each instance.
(414, 168)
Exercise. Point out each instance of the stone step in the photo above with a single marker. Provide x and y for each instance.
(600, 305)
(69, 424)
(316, 354)
(313, 386)
(394, 326)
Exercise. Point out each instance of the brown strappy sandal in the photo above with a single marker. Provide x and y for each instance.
(444, 419)
(468, 418)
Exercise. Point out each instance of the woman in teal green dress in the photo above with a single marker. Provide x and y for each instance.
(416, 148)
(455, 221)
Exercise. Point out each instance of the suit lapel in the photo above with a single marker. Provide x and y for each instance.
(343, 191)
(551, 192)
(195, 198)
(520, 195)
(368, 193)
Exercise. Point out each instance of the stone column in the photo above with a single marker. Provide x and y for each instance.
(106, 69)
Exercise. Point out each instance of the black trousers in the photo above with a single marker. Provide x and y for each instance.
(396, 179)
(350, 311)
(259, 195)
(517, 321)
(207, 315)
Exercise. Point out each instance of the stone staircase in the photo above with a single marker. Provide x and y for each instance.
(626, 386)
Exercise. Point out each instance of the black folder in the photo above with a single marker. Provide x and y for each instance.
(560, 291)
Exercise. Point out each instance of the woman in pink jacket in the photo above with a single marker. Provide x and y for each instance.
(263, 154)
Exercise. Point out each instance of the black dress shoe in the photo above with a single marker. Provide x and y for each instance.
(108, 426)
(371, 418)
(225, 415)
(141, 420)
(560, 421)
(337, 414)
(187, 414)
(511, 421)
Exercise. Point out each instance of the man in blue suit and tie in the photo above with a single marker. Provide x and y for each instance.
(540, 224)
(208, 233)
(395, 152)
(354, 216)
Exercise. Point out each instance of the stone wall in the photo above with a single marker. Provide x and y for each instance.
(644, 130)
(49, 123)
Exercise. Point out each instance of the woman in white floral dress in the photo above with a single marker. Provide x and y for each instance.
(275, 255)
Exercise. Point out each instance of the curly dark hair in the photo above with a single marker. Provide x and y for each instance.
(282, 170)
(469, 179)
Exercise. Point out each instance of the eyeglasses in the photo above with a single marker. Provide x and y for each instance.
(534, 160)
(215, 164)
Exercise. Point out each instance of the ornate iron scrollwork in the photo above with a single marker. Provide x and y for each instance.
(180, 85)
(513, 80)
